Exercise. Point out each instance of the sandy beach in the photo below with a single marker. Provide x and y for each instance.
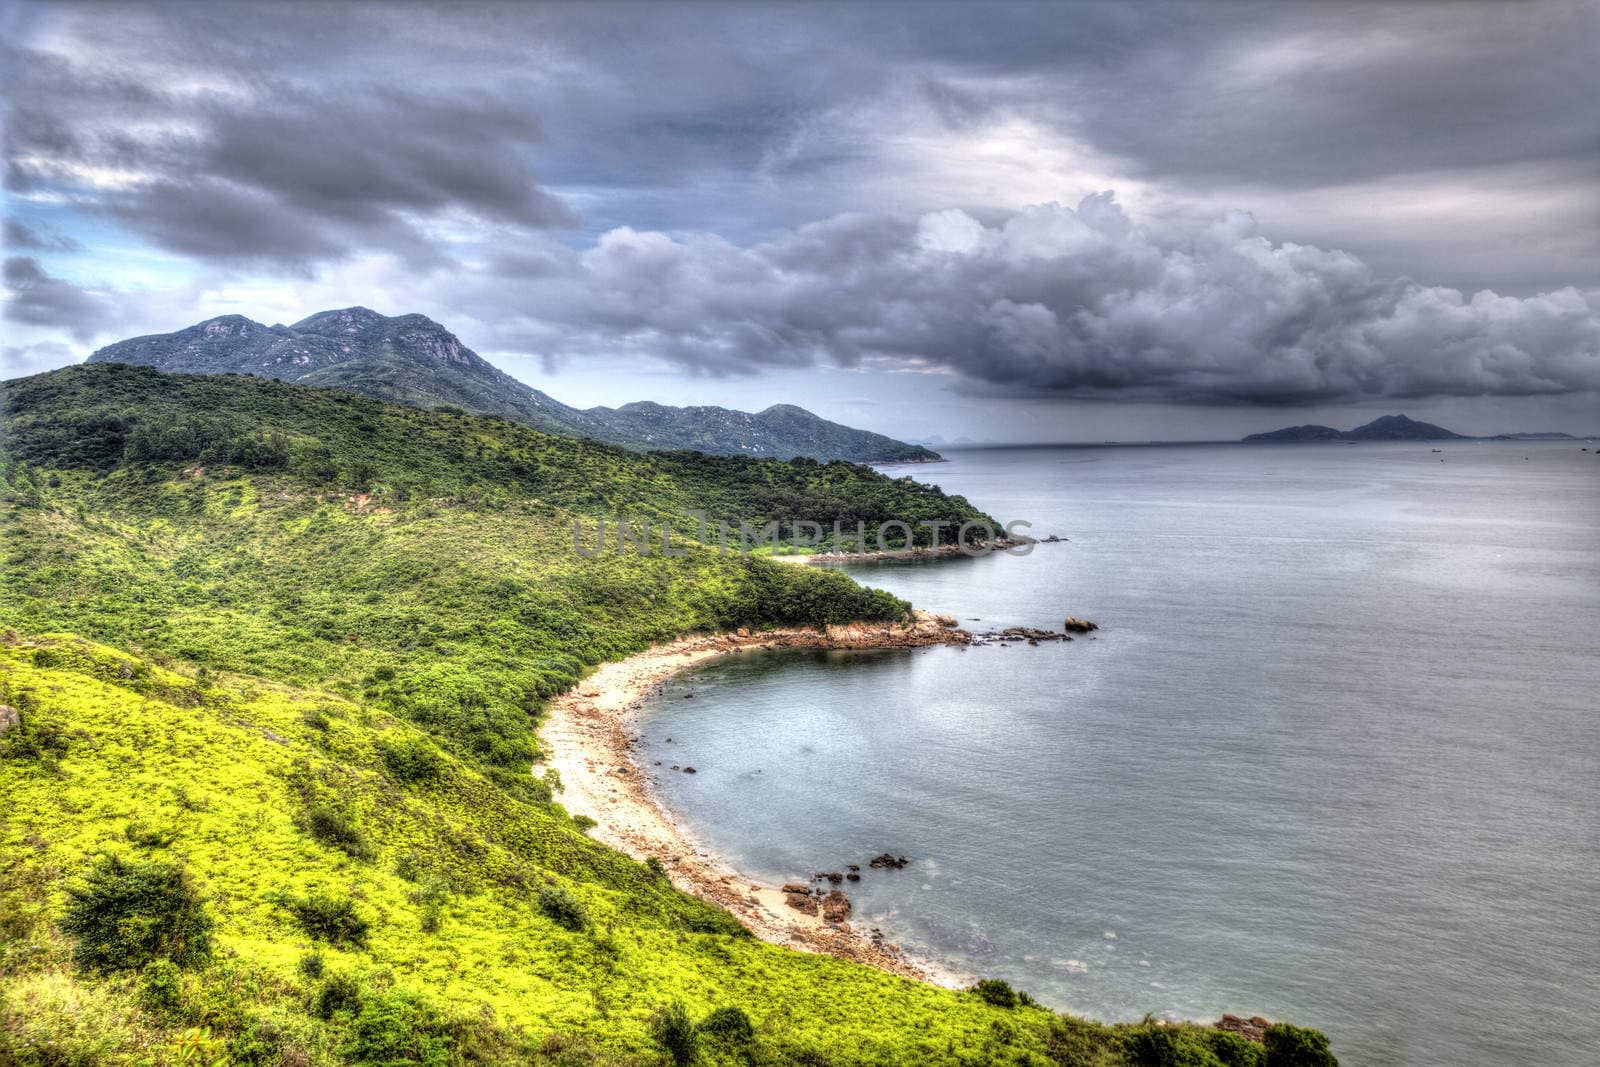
(588, 738)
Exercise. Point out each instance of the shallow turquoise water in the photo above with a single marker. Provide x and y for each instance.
(1333, 756)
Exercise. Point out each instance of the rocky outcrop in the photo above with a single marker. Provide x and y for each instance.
(1075, 625)
(9, 717)
(800, 898)
(835, 906)
(1252, 1029)
(888, 862)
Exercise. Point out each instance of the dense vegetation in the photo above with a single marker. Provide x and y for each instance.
(278, 654)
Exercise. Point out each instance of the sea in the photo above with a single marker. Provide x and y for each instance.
(1332, 757)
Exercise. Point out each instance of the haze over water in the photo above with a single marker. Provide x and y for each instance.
(1332, 758)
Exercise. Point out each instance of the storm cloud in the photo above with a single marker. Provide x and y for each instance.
(1077, 301)
(1313, 202)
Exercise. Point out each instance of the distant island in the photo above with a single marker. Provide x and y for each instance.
(1390, 428)
(410, 359)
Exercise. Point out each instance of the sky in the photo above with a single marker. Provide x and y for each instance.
(1049, 222)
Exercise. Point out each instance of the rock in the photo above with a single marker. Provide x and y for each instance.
(1252, 1029)
(690, 770)
(9, 717)
(852, 877)
(801, 902)
(835, 907)
(947, 621)
(796, 887)
(888, 862)
(1078, 626)
(856, 867)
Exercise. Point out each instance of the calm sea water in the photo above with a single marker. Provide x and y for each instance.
(1334, 756)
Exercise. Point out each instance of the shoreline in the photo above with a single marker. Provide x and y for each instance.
(587, 737)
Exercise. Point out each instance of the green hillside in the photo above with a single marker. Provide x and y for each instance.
(278, 654)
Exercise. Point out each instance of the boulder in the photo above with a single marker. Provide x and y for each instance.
(804, 903)
(1252, 1029)
(9, 717)
(1078, 626)
(888, 862)
(835, 907)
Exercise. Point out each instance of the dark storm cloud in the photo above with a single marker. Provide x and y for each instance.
(219, 153)
(37, 299)
(1066, 302)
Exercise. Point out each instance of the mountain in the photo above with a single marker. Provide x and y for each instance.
(1390, 428)
(410, 359)
(781, 431)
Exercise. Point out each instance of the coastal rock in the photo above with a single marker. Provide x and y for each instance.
(949, 622)
(1078, 626)
(796, 887)
(835, 907)
(9, 717)
(804, 903)
(1252, 1029)
(888, 862)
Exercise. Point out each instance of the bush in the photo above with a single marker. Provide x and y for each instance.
(1295, 1046)
(1150, 1046)
(334, 828)
(563, 908)
(33, 739)
(729, 1024)
(410, 759)
(330, 918)
(339, 993)
(161, 991)
(311, 965)
(673, 1030)
(396, 1030)
(126, 914)
(996, 992)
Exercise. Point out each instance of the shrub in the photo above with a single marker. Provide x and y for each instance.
(161, 991)
(996, 992)
(656, 868)
(339, 993)
(410, 759)
(673, 1030)
(330, 918)
(729, 1024)
(396, 1029)
(34, 739)
(1150, 1046)
(334, 828)
(126, 914)
(1295, 1046)
(311, 965)
(563, 908)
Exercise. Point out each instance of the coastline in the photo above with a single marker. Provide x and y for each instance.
(588, 739)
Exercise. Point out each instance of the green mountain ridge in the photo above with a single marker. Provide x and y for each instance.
(411, 359)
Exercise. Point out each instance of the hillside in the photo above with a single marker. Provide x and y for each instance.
(410, 359)
(1390, 428)
(277, 655)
